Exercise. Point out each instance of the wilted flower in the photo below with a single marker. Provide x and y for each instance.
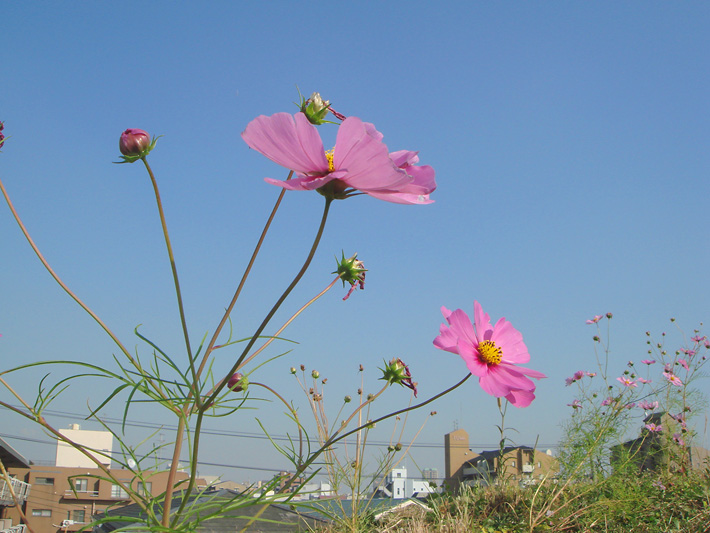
(351, 270)
(397, 372)
(359, 161)
(596, 319)
(626, 382)
(490, 352)
(673, 379)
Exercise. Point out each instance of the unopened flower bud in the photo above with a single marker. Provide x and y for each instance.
(315, 374)
(324, 381)
(293, 370)
(359, 391)
(361, 368)
(609, 315)
(397, 447)
(347, 399)
(303, 367)
(370, 397)
(238, 382)
(398, 372)
(315, 108)
(135, 144)
(595, 338)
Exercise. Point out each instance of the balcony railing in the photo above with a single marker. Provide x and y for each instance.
(81, 494)
(20, 488)
(19, 528)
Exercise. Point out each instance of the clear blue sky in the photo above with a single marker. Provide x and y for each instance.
(570, 142)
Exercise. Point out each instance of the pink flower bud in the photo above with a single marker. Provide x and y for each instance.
(134, 142)
(236, 382)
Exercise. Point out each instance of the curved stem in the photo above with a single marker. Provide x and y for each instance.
(231, 305)
(276, 306)
(173, 267)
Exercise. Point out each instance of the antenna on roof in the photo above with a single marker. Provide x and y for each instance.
(456, 424)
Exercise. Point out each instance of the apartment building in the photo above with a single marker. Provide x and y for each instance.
(12, 489)
(523, 464)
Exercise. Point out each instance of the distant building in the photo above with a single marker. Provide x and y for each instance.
(431, 475)
(65, 498)
(16, 489)
(398, 486)
(99, 444)
(657, 449)
(466, 467)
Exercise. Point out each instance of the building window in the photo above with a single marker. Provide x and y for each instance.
(118, 493)
(539, 464)
(145, 489)
(44, 481)
(399, 474)
(81, 485)
(41, 512)
(513, 464)
(78, 515)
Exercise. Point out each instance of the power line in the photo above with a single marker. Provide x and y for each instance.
(250, 435)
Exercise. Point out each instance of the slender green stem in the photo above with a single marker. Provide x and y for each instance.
(167, 504)
(231, 305)
(275, 308)
(173, 267)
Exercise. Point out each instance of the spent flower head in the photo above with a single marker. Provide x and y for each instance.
(351, 270)
(398, 372)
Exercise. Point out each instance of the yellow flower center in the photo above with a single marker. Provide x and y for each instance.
(490, 353)
(329, 157)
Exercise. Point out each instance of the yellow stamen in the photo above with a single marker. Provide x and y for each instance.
(490, 353)
(329, 157)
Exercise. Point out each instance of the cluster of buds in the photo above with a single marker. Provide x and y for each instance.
(397, 372)
(351, 270)
(238, 382)
(135, 144)
(316, 109)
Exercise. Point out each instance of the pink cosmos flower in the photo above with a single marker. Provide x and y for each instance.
(596, 319)
(609, 400)
(686, 351)
(668, 368)
(673, 379)
(653, 428)
(626, 382)
(644, 381)
(648, 406)
(678, 439)
(575, 405)
(648, 361)
(591, 374)
(683, 363)
(491, 353)
(575, 377)
(359, 161)
(698, 338)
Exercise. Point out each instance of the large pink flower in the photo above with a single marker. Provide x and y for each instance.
(359, 161)
(491, 353)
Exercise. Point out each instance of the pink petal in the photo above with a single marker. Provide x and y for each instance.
(470, 356)
(520, 398)
(365, 157)
(481, 320)
(305, 183)
(461, 326)
(290, 141)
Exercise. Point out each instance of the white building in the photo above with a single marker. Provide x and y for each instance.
(399, 486)
(98, 443)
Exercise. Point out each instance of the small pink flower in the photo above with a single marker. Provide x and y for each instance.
(673, 379)
(591, 374)
(575, 405)
(630, 405)
(698, 338)
(237, 382)
(359, 161)
(686, 351)
(648, 361)
(653, 428)
(626, 382)
(668, 368)
(677, 437)
(575, 377)
(648, 406)
(609, 400)
(490, 352)
(683, 363)
(596, 319)
(644, 381)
